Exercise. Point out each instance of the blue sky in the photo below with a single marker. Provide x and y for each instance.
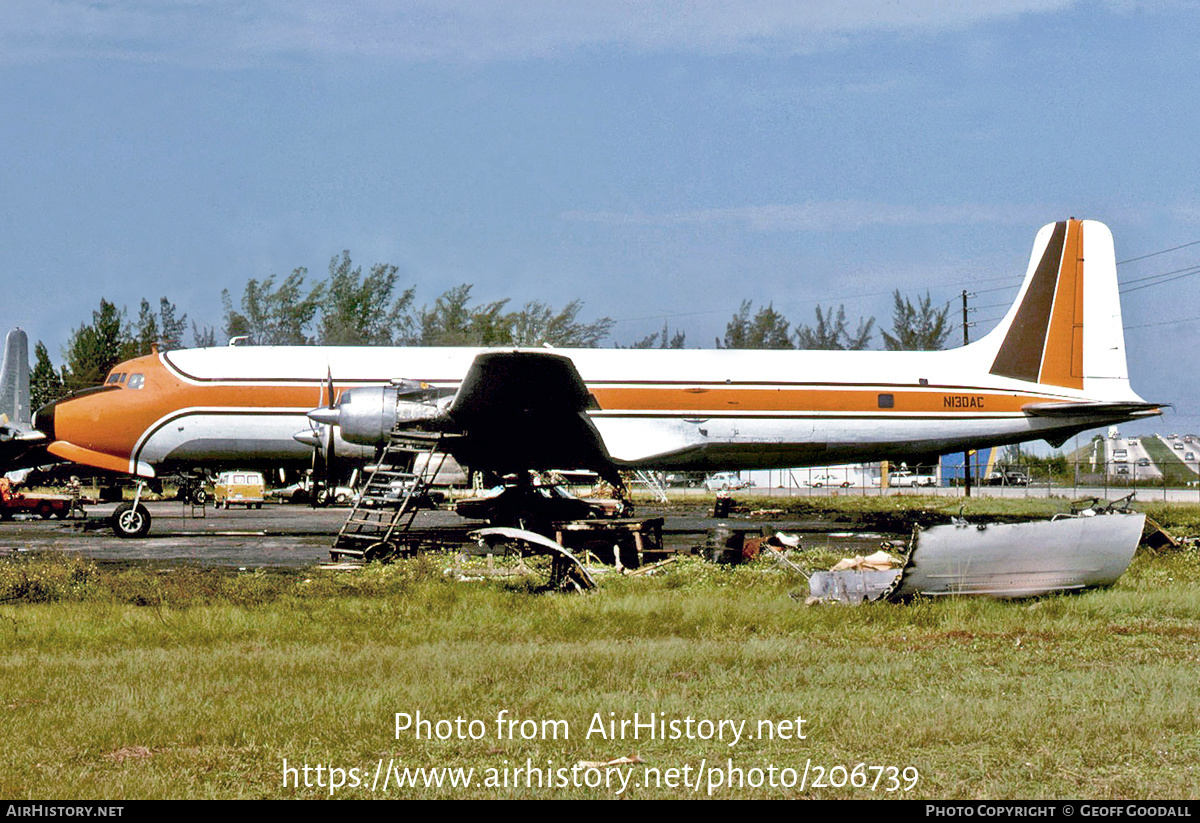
(656, 160)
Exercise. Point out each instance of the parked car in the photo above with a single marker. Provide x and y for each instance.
(905, 477)
(726, 481)
(820, 480)
(1007, 477)
(301, 492)
(509, 505)
(394, 493)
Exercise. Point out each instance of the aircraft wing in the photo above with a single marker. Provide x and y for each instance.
(518, 410)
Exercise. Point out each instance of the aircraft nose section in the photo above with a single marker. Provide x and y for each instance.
(43, 420)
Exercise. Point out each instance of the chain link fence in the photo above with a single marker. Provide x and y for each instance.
(1178, 481)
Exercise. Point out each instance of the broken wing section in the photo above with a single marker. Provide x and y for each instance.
(1005, 560)
(1020, 559)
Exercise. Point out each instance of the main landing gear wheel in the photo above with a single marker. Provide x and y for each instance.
(131, 522)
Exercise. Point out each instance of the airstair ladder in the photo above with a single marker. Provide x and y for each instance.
(383, 513)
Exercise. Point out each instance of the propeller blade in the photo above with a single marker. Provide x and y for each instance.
(314, 474)
(330, 485)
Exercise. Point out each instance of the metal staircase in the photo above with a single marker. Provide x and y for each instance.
(379, 523)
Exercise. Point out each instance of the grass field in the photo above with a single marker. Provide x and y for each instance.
(192, 683)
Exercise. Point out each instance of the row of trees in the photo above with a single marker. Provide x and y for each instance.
(914, 328)
(351, 308)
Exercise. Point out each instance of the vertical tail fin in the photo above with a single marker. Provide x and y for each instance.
(14, 381)
(1065, 328)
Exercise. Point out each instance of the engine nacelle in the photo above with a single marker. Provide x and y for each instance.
(367, 415)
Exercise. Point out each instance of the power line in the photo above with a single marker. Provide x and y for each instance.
(1179, 274)
(1156, 253)
(1163, 323)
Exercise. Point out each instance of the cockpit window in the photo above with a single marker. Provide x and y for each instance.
(116, 377)
(136, 381)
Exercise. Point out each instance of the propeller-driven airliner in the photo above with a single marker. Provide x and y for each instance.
(1053, 367)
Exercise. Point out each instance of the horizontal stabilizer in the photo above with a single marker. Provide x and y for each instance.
(1093, 409)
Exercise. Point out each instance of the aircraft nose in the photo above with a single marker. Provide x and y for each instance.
(43, 420)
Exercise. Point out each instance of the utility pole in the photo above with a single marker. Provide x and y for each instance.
(966, 454)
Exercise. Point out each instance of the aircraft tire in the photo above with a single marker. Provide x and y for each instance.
(200, 497)
(130, 522)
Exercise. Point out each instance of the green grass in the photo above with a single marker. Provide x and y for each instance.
(131, 683)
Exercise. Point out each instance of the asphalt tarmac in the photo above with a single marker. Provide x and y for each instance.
(294, 536)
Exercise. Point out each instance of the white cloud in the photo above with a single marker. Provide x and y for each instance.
(233, 31)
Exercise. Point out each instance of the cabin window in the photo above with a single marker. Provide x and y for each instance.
(887, 401)
(136, 381)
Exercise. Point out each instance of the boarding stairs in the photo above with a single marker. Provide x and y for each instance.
(380, 521)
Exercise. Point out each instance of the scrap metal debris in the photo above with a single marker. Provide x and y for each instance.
(566, 572)
(1156, 537)
(879, 561)
(1089, 548)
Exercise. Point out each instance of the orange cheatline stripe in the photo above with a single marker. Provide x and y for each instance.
(1062, 359)
(749, 401)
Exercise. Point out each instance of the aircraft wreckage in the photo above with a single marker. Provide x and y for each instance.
(1071, 552)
